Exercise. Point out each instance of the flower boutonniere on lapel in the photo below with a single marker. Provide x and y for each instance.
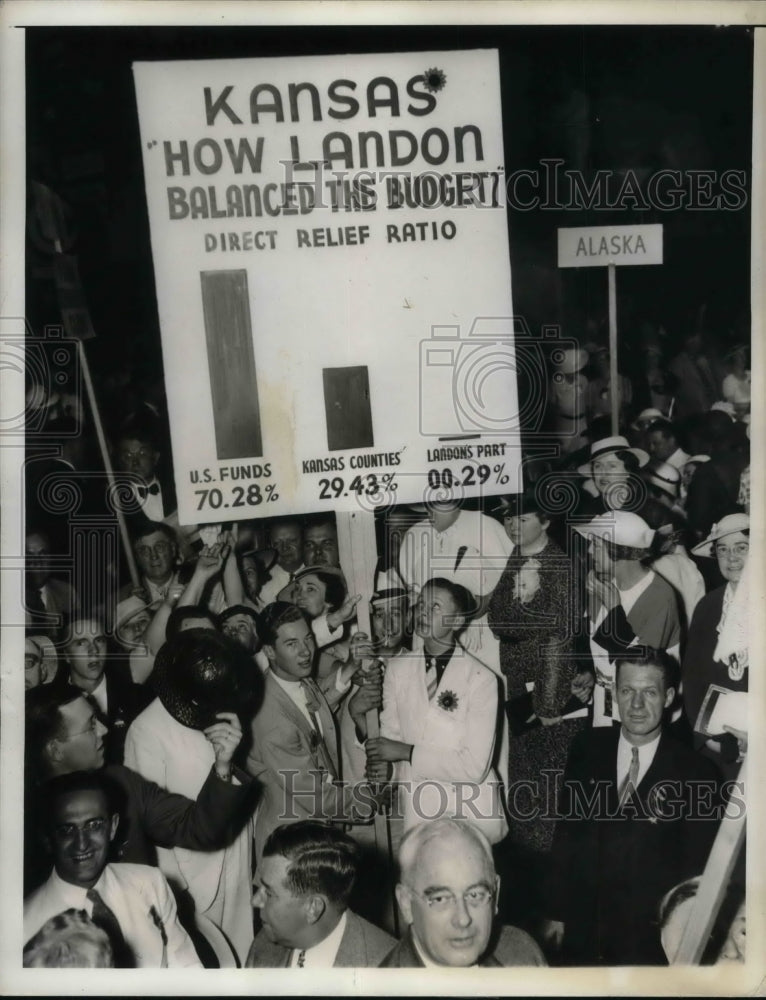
(448, 701)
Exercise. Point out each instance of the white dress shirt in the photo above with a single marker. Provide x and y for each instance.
(625, 756)
(142, 903)
(151, 504)
(297, 694)
(158, 592)
(99, 694)
(323, 954)
(426, 553)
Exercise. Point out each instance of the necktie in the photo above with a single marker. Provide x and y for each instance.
(312, 705)
(432, 681)
(103, 917)
(144, 491)
(301, 959)
(630, 780)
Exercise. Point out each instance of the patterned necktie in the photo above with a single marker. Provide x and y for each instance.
(301, 959)
(103, 917)
(432, 681)
(312, 705)
(630, 780)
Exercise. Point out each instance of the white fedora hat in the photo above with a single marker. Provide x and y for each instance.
(665, 477)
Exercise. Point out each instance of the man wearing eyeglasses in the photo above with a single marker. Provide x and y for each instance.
(156, 550)
(133, 904)
(64, 734)
(447, 896)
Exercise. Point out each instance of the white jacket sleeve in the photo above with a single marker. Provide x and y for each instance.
(144, 754)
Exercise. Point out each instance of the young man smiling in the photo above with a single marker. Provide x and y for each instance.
(294, 752)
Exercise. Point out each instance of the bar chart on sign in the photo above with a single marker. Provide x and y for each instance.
(311, 236)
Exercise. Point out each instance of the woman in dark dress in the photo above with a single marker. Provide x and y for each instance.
(529, 613)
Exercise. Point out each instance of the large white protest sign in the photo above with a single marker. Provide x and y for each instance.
(333, 279)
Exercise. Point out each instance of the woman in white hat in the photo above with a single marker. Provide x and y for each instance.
(717, 655)
(133, 618)
(613, 467)
(628, 602)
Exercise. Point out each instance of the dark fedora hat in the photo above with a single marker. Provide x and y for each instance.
(531, 501)
(200, 672)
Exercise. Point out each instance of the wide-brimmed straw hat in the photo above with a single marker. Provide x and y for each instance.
(200, 672)
(621, 527)
(609, 445)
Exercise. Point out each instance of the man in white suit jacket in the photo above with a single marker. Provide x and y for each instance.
(82, 826)
(179, 759)
(439, 718)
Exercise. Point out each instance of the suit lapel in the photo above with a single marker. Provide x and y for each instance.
(351, 951)
(658, 767)
(328, 724)
(288, 706)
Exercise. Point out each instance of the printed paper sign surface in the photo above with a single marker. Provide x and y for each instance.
(597, 246)
(333, 279)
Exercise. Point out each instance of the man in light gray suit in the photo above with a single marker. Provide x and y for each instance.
(303, 886)
(294, 752)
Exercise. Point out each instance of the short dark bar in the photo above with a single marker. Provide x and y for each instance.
(347, 407)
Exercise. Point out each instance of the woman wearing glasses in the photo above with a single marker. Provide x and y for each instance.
(715, 668)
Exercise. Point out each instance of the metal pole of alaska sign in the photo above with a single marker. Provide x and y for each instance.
(610, 247)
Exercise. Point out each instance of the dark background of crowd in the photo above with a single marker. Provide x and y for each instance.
(597, 98)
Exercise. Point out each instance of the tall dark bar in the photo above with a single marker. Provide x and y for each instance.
(231, 363)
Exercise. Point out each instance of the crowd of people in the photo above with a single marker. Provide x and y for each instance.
(547, 716)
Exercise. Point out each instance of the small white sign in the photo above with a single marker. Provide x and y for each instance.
(596, 246)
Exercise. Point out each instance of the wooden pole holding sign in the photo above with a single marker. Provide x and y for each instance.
(358, 554)
(77, 323)
(614, 395)
(610, 247)
(131, 559)
(713, 884)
